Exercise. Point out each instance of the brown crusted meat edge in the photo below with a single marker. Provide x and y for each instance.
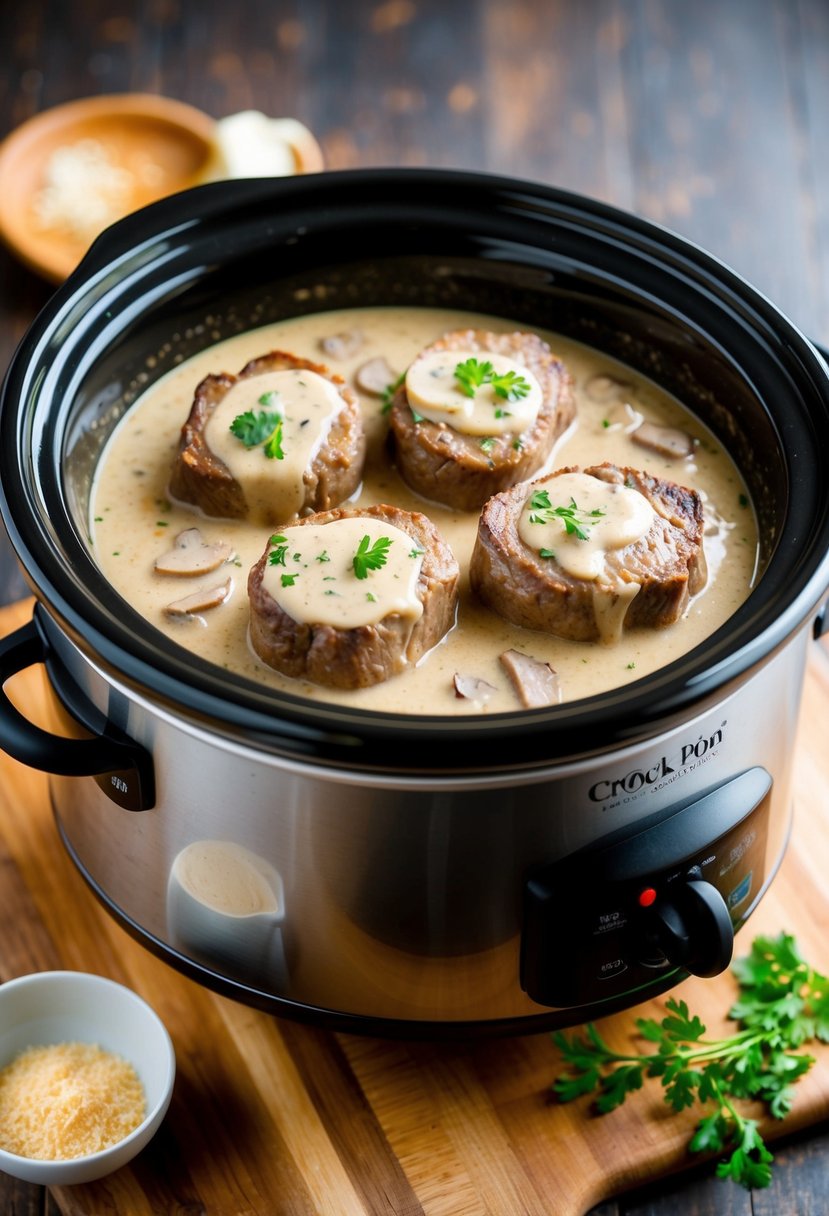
(201, 479)
(358, 658)
(448, 467)
(514, 584)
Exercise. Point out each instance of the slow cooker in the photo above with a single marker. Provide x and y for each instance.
(502, 872)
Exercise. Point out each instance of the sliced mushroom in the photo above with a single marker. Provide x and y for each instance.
(606, 388)
(536, 683)
(666, 440)
(375, 377)
(192, 554)
(622, 417)
(344, 345)
(201, 600)
(473, 688)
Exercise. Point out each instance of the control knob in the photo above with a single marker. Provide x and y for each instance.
(689, 927)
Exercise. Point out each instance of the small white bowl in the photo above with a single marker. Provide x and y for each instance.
(71, 1006)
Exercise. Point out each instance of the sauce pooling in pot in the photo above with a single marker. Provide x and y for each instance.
(133, 521)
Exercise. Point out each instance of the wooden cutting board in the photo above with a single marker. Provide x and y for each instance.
(274, 1117)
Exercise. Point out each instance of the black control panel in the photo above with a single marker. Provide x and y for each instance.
(661, 896)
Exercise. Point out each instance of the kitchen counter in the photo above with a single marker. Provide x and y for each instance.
(707, 118)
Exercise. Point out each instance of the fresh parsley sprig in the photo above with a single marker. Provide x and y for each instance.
(276, 557)
(262, 427)
(473, 373)
(576, 522)
(390, 391)
(783, 1003)
(371, 556)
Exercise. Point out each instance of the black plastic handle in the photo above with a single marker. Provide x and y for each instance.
(122, 768)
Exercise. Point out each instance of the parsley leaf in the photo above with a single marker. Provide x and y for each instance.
(288, 580)
(511, 386)
(390, 391)
(472, 374)
(273, 448)
(254, 428)
(264, 427)
(371, 557)
(277, 556)
(783, 1003)
(576, 522)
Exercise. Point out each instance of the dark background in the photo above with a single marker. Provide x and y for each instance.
(709, 117)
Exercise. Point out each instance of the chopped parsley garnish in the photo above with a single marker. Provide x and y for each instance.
(417, 417)
(277, 556)
(416, 552)
(273, 448)
(742, 500)
(288, 580)
(517, 444)
(390, 390)
(372, 599)
(488, 444)
(546, 552)
(323, 557)
(371, 556)
(264, 427)
(472, 374)
(631, 666)
(605, 423)
(254, 428)
(499, 413)
(576, 522)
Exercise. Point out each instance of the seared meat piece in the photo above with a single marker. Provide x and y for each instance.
(203, 479)
(643, 584)
(352, 657)
(464, 470)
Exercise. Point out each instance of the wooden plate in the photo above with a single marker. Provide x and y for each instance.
(114, 154)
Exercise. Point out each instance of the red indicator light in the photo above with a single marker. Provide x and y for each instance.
(647, 897)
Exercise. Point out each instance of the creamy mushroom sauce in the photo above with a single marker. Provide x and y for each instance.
(434, 391)
(311, 405)
(313, 581)
(133, 522)
(578, 519)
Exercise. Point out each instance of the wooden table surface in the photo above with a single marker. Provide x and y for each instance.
(710, 118)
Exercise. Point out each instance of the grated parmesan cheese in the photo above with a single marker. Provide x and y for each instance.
(67, 1100)
(85, 189)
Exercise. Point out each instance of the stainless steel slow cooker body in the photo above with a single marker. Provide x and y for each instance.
(428, 875)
